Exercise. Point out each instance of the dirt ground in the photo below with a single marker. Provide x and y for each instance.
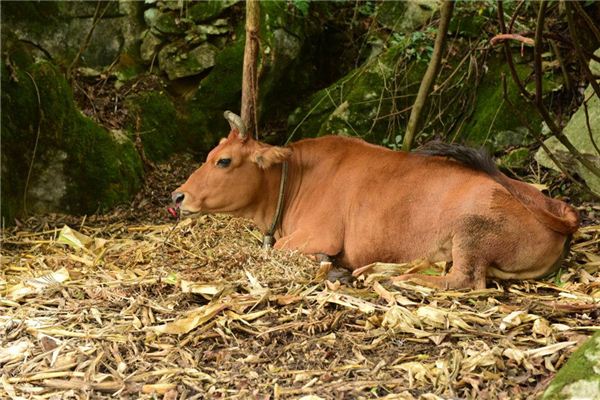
(130, 305)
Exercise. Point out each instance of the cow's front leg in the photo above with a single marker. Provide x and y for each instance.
(321, 248)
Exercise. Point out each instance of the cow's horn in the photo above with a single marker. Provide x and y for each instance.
(236, 123)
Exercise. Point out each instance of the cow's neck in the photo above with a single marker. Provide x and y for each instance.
(264, 210)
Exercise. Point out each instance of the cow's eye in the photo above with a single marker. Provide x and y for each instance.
(223, 162)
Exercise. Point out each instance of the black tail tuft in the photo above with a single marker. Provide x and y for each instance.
(479, 160)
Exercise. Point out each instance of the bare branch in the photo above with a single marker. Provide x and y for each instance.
(430, 74)
(576, 44)
(508, 54)
(249, 109)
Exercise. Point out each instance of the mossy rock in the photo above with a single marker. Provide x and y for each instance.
(209, 9)
(163, 128)
(363, 102)
(79, 167)
(60, 28)
(405, 16)
(179, 64)
(493, 122)
(579, 378)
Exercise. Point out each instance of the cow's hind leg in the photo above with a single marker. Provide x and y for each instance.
(472, 252)
(462, 276)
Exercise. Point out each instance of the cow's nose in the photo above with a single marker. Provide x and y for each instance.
(177, 197)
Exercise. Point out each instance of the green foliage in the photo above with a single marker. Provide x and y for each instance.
(417, 45)
(366, 8)
(396, 144)
(301, 5)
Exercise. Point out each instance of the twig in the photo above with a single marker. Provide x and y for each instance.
(589, 127)
(537, 54)
(508, 55)
(39, 47)
(588, 20)
(88, 37)
(563, 66)
(37, 138)
(514, 16)
(576, 44)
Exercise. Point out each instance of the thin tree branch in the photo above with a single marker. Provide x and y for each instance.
(589, 127)
(588, 20)
(563, 66)
(508, 54)
(582, 60)
(514, 16)
(97, 17)
(37, 139)
(430, 74)
(249, 76)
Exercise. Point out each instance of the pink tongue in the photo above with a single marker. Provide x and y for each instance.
(172, 211)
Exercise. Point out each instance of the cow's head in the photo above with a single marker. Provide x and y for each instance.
(233, 176)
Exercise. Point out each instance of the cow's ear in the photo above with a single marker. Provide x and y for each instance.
(267, 156)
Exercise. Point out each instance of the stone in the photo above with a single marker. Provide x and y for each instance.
(355, 104)
(579, 135)
(166, 22)
(406, 16)
(579, 378)
(390, 13)
(151, 16)
(493, 122)
(150, 46)
(179, 64)
(77, 167)
(60, 28)
(209, 9)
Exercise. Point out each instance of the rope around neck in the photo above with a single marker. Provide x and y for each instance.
(269, 237)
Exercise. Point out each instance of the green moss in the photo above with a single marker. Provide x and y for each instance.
(492, 114)
(517, 158)
(221, 90)
(357, 104)
(98, 171)
(208, 9)
(37, 14)
(159, 129)
(581, 372)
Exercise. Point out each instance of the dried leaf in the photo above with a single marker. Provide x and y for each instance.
(193, 319)
(37, 285)
(14, 352)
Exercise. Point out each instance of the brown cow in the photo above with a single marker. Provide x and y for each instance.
(360, 203)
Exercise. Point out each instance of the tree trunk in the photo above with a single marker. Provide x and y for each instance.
(430, 75)
(249, 110)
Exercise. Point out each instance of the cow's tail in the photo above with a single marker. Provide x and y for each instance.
(555, 214)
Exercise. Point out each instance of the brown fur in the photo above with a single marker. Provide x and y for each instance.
(359, 203)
